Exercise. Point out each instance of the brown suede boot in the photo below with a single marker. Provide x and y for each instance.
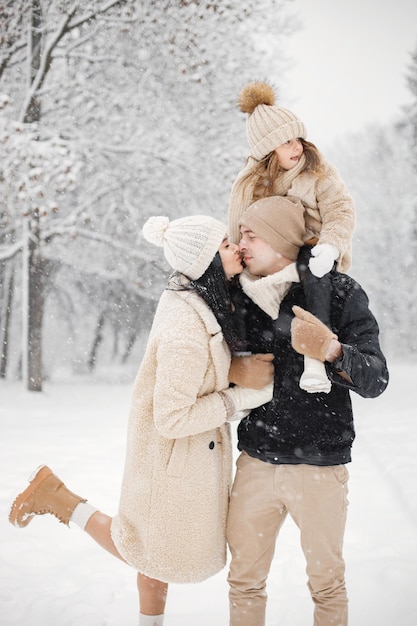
(46, 493)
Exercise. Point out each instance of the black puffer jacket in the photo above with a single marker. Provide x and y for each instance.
(313, 428)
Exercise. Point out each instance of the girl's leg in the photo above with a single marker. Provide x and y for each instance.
(317, 290)
(317, 293)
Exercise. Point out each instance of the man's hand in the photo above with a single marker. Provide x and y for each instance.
(309, 336)
(254, 371)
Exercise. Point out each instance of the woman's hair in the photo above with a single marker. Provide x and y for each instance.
(214, 288)
(267, 170)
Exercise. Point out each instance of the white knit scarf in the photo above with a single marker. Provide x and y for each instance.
(269, 291)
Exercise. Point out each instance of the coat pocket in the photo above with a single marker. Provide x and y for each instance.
(178, 458)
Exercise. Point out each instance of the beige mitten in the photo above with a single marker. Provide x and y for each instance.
(309, 336)
(253, 371)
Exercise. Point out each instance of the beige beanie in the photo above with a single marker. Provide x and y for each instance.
(189, 243)
(268, 125)
(278, 220)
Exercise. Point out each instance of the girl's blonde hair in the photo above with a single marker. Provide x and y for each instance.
(265, 172)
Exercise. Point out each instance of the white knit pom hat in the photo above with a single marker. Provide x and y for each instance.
(189, 243)
(268, 126)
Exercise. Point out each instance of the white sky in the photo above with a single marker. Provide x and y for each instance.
(351, 59)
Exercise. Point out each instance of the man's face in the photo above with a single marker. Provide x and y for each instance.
(259, 257)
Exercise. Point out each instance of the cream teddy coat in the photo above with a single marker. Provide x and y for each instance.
(171, 523)
(329, 208)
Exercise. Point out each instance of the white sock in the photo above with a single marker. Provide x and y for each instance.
(81, 514)
(314, 378)
(151, 620)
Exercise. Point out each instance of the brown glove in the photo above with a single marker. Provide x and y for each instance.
(309, 336)
(254, 371)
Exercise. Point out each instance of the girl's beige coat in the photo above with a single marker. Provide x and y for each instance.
(173, 505)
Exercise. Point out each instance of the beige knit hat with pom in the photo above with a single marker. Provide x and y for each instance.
(189, 243)
(268, 125)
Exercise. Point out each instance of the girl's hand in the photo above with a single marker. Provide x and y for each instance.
(323, 258)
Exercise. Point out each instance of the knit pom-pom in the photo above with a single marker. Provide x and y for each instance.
(253, 95)
(154, 229)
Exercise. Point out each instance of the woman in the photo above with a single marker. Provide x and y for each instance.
(173, 505)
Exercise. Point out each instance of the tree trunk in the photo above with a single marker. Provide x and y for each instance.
(34, 318)
(5, 317)
(34, 276)
(33, 111)
(98, 338)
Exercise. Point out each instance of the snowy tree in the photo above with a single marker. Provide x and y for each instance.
(143, 94)
(47, 23)
(409, 126)
(411, 110)
(382, 184)
(379, 165)
(34, 173)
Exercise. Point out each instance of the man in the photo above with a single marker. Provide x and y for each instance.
(294, 449)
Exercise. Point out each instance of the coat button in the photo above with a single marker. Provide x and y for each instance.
(211, 445)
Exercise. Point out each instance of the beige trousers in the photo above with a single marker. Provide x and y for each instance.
(316, 499)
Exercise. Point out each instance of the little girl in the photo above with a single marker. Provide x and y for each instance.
(282, 162)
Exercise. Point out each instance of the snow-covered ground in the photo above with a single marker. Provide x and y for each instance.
(55, 576)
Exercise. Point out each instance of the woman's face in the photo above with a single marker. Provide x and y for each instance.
(230, 256)
(289, 153)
